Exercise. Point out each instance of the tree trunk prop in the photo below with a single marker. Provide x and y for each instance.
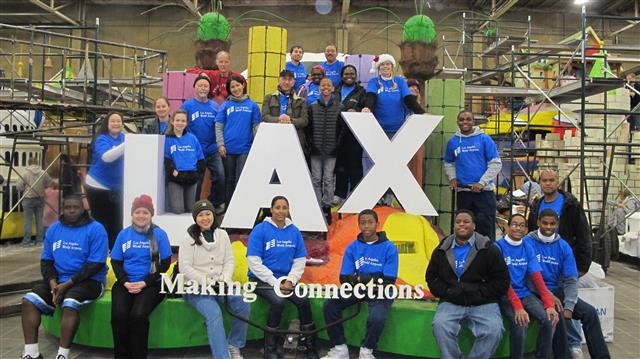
(418, 60)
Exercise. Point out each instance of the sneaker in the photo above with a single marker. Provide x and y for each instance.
(30, 357)
(337, 200)
(25, 244)
(337, 352)
(366, 353)
(576, 353)
(60, 356)
(219, 210)
(234, 353)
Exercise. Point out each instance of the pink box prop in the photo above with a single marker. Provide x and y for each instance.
(177, 87)
(362, 62)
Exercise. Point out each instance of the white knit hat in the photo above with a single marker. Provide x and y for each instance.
(379, 60)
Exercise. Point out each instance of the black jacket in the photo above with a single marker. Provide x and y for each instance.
(325, 127)
(573, 228)
(353, 101)
(485, 277)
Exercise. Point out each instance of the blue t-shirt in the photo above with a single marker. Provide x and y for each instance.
(333, 71)
(460, 254)
(471, 156)
(108, 174)
(132, 248)
(238, 119)
(70, 248)
(555, 205)
(299, 72)
(277, 247)
(202, 117)
(379, 258)
(184, 151)
(522, 262)
(163, 127)
(390, 110)
(556, 260)
(345, 91)
(313, 95)
(284, 102)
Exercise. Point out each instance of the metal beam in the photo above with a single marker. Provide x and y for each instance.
(54, 11)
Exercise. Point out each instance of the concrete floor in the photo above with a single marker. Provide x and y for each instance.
(19, 264)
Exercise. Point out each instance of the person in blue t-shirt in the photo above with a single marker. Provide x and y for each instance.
(560, 275)
(141, 253)
(105, 179)
(276, 257)
(372, 257)
(389, 99)
(201, 115)
(183, 164)
(471, 161)
(520, 302)
(74, 274)
(296, 66)
(333, 66)
(311, 89)
(159, 124)
(236, 125)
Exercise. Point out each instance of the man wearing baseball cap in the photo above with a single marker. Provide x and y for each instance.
(284, 106)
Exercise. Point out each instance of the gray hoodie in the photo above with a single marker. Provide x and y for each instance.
(34, 180)
(569, 284)
(493, 167)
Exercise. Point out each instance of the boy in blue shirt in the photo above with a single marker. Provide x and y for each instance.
(560, 275)
(471, 162)
(520, 302)
(370, 258)
(74, 273)
(297, 67)
(202, 114)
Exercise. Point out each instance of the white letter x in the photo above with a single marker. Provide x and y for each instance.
(391, 158)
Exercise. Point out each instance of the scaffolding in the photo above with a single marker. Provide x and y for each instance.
(69, 82)
(571, 85)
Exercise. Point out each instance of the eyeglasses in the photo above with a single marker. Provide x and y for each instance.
(518, 225)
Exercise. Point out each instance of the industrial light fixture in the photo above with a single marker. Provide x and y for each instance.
(580, 2)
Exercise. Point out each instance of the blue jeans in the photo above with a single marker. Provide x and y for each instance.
(517, 334)
(210, 308)
(587, 315)
(378, 310)
(574, 337)
(216, 174)
(484, 321)
(31, 207)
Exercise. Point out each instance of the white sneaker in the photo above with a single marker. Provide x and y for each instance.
(337, 200)
(366, 353)
(338, 352)
(576, 353)
(234, 353)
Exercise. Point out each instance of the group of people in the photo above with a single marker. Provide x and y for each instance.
(476, 278)
(74, 269)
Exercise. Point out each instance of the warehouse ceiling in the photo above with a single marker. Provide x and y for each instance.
(70, 12)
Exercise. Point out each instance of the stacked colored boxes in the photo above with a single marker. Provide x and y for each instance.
(443, 97)
(177, 87)
(267, 57)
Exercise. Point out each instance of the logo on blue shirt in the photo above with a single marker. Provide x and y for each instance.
(362, 261)
(270, 244)
(126, 246)
(57, 245)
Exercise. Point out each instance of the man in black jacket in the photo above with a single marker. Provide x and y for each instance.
(468, 273)
(573, 226)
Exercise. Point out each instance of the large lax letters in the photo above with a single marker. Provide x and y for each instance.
(276, 148)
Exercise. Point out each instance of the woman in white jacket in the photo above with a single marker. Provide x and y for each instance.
(205, 254)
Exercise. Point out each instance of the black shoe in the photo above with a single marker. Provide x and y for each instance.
(271, 346)
(308, 342)
(326, 211)
(30, 357)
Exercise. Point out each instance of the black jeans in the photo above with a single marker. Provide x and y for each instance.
(106, 208)
(348, 166)
(483, 206)
(130, 320)
(378, 310)
(277, 305)
(588, 317)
